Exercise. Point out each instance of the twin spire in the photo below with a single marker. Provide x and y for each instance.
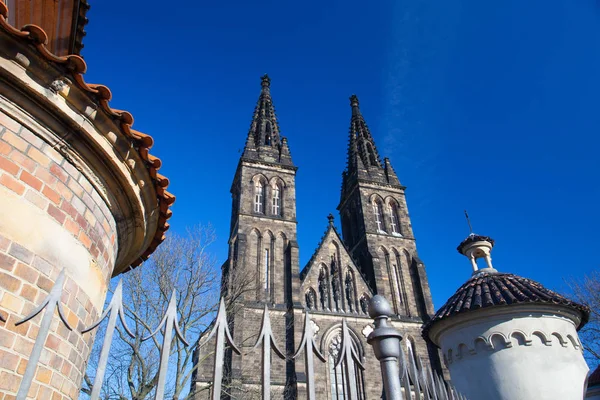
(362, 150)
(363, 159)
(264, 142)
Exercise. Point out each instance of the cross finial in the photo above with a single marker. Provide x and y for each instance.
(330, 218)
(469, 222)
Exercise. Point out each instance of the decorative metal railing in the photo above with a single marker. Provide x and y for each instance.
(403, 374)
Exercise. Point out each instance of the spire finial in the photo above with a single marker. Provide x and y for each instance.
(265, 81)
(330, 218)
(353, 101)
(469, 222)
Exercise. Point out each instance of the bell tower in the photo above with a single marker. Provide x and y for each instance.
(376, 225)
(262, 266)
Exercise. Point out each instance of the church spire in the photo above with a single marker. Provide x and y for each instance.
(264, 141)
(366, 149)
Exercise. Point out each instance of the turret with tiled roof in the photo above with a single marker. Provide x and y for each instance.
(264, 142)
(503, 322)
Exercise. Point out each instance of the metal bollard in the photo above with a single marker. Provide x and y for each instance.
(385, 341)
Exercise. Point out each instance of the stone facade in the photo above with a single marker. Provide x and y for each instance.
(79, 198)
(376, 255)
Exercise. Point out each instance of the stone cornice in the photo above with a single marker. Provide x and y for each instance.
(501, 313)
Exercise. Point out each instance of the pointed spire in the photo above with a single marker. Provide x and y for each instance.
(390, 174)
(364, 141)
(264, 141)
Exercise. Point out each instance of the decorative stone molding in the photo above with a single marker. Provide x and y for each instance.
(497, 340)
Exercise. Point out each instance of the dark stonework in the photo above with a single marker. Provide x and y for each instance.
(376, 256)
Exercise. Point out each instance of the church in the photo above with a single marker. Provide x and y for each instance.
(374, 254)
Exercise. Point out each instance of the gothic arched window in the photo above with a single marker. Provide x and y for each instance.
(378, 211)
(259, 197)
(394, 220)
(338, 380)
(276, 201)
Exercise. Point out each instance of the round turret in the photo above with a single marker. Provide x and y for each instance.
(507, 337)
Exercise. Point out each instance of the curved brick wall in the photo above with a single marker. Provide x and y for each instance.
(51, 217)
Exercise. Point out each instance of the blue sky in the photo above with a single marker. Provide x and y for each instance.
(486, 106)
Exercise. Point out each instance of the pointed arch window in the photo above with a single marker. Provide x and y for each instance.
(276, 201)
(338, 376)
(394, 220)
(378, 211)
(259, 197)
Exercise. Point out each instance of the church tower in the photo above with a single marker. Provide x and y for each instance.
(376, 225)
(262, 267)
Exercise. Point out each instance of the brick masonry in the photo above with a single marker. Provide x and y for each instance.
(57, 197)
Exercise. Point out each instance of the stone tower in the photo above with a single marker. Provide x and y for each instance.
(376, 225)
(262, 267)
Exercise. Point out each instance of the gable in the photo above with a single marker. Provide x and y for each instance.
(345, 284)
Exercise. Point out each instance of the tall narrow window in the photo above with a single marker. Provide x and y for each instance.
(377, 209)
(340, 382)
(267, 268)
(395, 223)
(259, 194)
(276, 203)
(336, 374)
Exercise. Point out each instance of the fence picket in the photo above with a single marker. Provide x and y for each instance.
(310, 348)
(266, 338)
(51, 302)
(115, 308)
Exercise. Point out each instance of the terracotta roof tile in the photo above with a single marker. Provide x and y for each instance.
(101, 94)
(493, 289)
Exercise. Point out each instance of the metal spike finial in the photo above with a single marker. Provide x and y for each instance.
(114, 309)
(268, 341)
(221, 330)
(350, 359)
(50, 303)
(169, 322)
(310, 349)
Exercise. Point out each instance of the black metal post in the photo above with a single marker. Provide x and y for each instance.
(385, 341)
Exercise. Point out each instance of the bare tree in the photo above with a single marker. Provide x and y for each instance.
(586, 290)
(182, 264)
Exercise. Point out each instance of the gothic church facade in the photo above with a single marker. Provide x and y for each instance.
(375, 255)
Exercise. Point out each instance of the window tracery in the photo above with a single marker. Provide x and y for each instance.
(378, 211)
